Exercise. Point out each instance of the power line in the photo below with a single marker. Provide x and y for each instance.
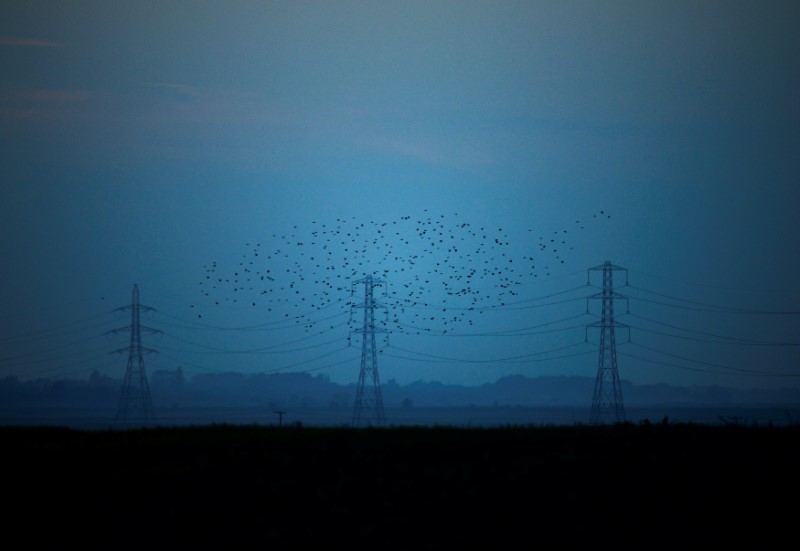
(58, 358)
(710, 364)
(420, 305)
(47, 333)
(66, 365)
(272, 325)
(710, 286)
(742, 373)
(309, 321)
(501, 307)
(262, 349)
(705, 307)
(310, 347)
(304, 362)
(510, 359)
(428, 332)
(732, 340)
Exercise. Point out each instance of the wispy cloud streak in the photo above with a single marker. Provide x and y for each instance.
(184, 89)
(32, 42)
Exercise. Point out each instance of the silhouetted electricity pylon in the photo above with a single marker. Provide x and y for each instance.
(135, 402)
(368, 406)
(607, 403)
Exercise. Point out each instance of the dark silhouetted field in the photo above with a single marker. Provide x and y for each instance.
(637, 486)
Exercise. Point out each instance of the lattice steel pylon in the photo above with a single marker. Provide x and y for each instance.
(135, 401)
(607, 404)
(368, 407)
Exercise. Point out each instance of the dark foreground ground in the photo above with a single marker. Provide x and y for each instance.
(635, 486)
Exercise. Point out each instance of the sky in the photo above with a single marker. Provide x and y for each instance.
(244, 164)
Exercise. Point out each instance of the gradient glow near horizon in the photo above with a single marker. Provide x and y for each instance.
(159, 144)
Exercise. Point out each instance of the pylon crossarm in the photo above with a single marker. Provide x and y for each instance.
(618, 324)
(613, 294)
(142, 308)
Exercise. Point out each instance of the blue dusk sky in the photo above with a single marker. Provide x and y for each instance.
(245, 163)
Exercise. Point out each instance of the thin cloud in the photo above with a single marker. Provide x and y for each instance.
(43, 105)
(10, 95)
(184, 89)
(5, 41)
(461, 153)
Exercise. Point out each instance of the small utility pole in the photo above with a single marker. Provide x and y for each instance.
(280, 413)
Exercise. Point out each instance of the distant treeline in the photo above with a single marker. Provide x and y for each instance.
(172, 388)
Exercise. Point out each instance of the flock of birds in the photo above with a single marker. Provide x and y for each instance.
(433, 273)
